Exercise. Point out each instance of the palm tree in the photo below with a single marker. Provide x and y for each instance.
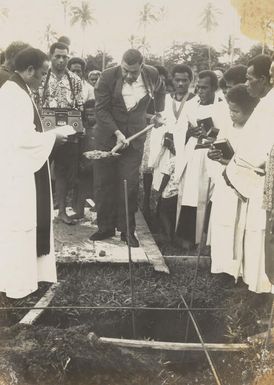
(4, 13)
(84, 16)
(49, 36)
(133, 40)
(162, 14)
(146, 17)
(143, 46)
(209, 23)
(66, 4)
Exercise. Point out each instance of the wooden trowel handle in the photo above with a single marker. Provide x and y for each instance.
(132, 137)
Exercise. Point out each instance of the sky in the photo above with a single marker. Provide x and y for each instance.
(115, 21)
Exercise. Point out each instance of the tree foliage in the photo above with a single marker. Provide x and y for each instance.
(82, 15)
(257, 19)
(96, 62)
(209, 18)
(192, 54)
(50, 36)
(254, 51)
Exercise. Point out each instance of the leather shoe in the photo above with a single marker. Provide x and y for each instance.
(68, 220)
(100, 235)
(133, 241)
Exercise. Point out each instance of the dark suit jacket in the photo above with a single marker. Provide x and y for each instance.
(5, 74)
(111, 111)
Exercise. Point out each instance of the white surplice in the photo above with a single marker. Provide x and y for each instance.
(191, 165)
(159, 155)
(225, 205)
(254, 147)
(23, 152)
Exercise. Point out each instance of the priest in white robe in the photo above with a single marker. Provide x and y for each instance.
(191, 165)
(26, 242)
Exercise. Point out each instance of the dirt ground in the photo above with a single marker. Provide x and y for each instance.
(59, 349)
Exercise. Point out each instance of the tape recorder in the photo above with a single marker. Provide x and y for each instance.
(52, 117)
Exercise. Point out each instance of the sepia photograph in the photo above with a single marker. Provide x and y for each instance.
(137, 193)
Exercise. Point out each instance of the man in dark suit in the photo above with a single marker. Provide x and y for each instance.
(122, 96)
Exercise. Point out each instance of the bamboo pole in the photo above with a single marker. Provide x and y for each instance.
(173, 346)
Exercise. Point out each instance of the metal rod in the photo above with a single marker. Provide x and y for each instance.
(130, 260)
(268, 336)
(202, 343)
(109, 308)
(198, 259)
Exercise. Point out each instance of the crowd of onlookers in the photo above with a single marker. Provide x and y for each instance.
(209, 163)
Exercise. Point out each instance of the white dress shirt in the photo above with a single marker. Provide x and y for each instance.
(133, 93)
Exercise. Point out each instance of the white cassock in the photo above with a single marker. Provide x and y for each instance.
(191, 165)
(254, 147)
(23, 152)
(159, 155)
(225, 204)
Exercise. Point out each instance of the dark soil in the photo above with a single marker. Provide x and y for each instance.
(8, 318)
(58, 350)
(236, 319)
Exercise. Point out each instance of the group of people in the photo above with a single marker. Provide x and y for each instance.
(212, 164)
(209, 157)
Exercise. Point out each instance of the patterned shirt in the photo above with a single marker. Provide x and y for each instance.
(58, 92)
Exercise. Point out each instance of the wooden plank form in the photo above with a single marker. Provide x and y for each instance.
(33, 314)
(148, 244)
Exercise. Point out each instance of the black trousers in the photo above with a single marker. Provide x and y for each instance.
(166, 213)
(66, 162)
(186, 228)
(109, 176)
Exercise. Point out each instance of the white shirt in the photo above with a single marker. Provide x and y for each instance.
(88, 91)
(133, 93)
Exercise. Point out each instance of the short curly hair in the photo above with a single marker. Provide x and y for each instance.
(239, 95)
(182, 68)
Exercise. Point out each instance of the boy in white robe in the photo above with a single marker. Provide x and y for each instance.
(162, 142)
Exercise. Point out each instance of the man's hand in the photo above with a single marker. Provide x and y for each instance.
(217, 156)
(157, 120)
(122, 141)
(194, 131)
(62, 133)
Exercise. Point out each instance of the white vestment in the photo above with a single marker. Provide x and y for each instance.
(253, 148)
(191, 165)
(225, 206)
(159, 155)
(23, 152)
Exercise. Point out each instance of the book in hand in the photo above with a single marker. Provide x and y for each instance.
(207, 125)
(224, 146)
